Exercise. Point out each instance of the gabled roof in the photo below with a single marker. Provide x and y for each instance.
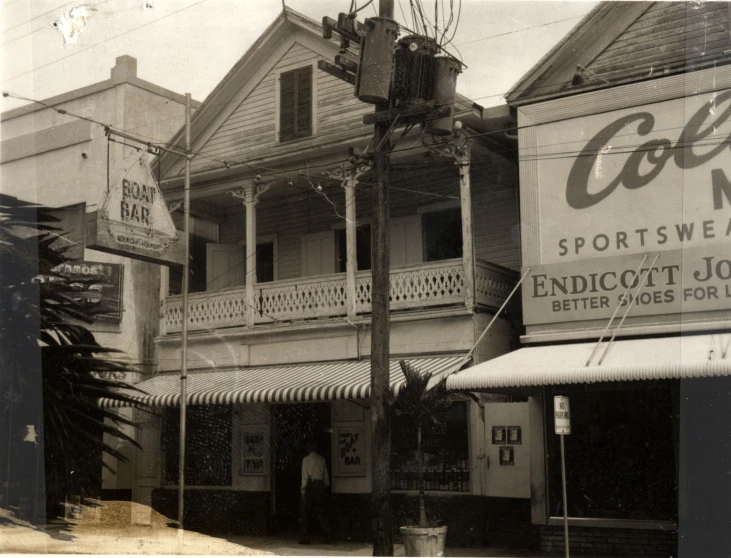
(623, 42)
(231, 91)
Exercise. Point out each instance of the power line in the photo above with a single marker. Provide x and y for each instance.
(44, 27)
(519, 30)
(38, 16)
(105, 41)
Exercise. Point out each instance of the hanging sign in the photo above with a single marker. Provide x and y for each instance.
(133, 219)
(561, 414)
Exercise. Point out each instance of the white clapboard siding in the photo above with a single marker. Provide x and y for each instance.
(250, 132)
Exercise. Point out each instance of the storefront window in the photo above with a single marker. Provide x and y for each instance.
(207, 445)
(446, 454)
(620, 458)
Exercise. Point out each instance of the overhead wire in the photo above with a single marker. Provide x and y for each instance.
(45, 26)
(36, 17)
(75, 53)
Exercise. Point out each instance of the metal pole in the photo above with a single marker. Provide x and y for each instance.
(565, 508)
(184, 349)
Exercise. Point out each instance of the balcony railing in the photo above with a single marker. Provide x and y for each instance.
(420, 286)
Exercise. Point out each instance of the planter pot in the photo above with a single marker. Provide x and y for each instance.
(427, 541)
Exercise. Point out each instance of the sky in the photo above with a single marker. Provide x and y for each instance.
(190, 45)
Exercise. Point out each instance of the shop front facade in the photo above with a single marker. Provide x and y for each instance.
(626, 230)
(279, 308)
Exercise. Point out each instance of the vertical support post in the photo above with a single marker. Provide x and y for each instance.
(380, 336)
(184, 348)
(250, 203)
(351, 254)
(565, 506)
(468, 247)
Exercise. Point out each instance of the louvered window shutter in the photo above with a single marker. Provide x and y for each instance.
(304, 102)
(295, 104)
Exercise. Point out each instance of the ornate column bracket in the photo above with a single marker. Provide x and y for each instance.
(456, 149)
(251, 192)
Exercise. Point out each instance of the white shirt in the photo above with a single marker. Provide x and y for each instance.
(314, 468)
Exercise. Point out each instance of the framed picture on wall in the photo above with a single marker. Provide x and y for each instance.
(498, 435)
(350, 451)
(515, 435)
(254, 451)
(507, 455)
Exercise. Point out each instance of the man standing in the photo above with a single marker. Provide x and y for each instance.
(314, 492)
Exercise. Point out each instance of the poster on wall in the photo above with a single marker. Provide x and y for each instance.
(507, 455)
(97, 284)
(350, 451)
(498, 434)
(255, 451)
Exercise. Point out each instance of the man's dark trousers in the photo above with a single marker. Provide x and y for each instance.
(315, 500)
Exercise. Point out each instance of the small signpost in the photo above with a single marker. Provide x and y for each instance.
(562, 421)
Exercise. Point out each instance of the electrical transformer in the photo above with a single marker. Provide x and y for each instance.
(414, 70)
(445, 92)
(373, 81)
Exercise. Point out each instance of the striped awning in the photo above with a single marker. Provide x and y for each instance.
(280, 384)
(686, 356)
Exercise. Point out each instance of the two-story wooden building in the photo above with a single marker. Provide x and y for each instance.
(279, 310)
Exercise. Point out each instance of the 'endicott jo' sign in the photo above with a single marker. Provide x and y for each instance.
(691, 280)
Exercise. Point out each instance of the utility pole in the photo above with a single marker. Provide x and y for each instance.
(380, 334)
(408, 85)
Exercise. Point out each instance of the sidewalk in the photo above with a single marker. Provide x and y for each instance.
(288, 546)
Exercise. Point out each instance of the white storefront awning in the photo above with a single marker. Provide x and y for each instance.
(278, 384)
(687, 356)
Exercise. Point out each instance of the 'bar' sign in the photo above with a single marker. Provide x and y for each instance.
(562, 414)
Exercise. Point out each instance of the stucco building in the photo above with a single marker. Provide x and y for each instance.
(64, 161)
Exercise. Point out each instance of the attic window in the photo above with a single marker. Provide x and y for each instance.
(295, 104)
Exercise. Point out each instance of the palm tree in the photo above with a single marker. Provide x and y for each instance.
(420, 406)
(45, 345)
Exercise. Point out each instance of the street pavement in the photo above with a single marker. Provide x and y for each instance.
(115, 529)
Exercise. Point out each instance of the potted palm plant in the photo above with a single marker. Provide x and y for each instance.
(421, 406)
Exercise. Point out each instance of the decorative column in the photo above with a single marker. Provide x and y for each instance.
(348, 174)
(250, 193)
(463, 159)
(458, 150)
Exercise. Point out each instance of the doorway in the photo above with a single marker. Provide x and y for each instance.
(292, 426)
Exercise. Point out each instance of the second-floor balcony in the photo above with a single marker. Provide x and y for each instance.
(415, 287)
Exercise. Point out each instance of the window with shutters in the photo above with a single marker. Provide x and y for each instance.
(295, 104)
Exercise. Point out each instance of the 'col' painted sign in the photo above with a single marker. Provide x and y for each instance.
(650, 178)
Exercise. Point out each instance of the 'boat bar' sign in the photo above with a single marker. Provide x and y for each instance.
(133, 219)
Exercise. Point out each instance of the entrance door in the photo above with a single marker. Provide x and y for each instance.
(508, 460)
(293, 425)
